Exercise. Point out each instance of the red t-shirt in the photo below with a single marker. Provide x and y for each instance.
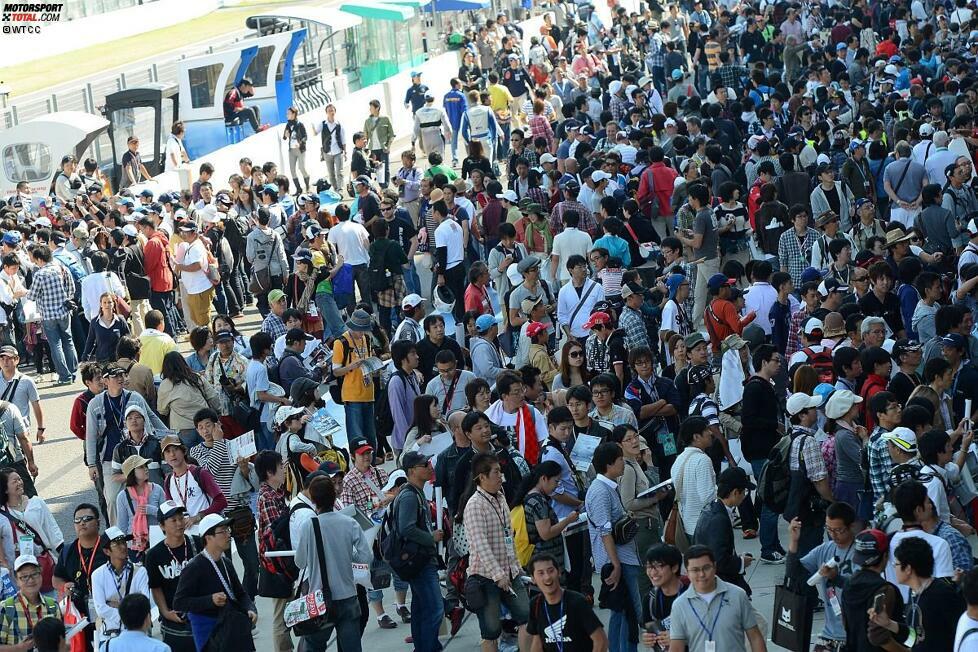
(477, 299)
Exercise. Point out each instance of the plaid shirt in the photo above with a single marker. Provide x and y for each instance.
(794, 342)
(587, 222)
(689, 271)
(487, 529)
(16, 624)
(961, 555)
(273, 325)
(272, 503)
(51, 287)
(796, 256)
(634, 327)
(357, 492)
(731, 75)
(880, 464)
(656, 57)
(811, 453)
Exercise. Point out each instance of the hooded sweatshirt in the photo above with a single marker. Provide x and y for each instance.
(923, 321)
(265, 250)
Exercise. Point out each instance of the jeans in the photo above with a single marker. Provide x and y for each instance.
(809, 538)
(275, 283)
(333, 324)
(427, 610)
(455, 130)
(768, 532)
(411, 280)
(190, 437)
(377, 595)
(385, 160)
(347, 626)
(58, 334)
(618, 623)
(361, 276)
(490, 618)
(264, 439)
(360, 422)
(248, 549)
(163, 301)
(251, 115)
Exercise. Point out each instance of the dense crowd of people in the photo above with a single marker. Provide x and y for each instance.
(699, 274)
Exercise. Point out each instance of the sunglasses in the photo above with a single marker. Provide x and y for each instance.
(576, 354)
(85, 519)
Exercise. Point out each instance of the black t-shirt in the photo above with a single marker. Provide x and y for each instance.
(573, 620)
(71, 569)
(903, 385)
(400, 230)
(369, 206)
(164, 565)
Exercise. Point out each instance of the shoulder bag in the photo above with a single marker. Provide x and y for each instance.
(406, 558)
(580, 304)
(675, 531)
(624, 529)
(261, 279)
(311, 613)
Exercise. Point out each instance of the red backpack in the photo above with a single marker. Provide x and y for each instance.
(822, 363)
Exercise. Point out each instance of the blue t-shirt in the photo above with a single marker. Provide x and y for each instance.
(256, 379)
(115, 409)
(833, 628)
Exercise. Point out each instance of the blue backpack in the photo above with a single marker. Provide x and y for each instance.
(77, 270)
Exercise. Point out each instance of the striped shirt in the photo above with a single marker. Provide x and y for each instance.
(217, 460)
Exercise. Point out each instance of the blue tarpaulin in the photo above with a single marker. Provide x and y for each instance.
(460, 5)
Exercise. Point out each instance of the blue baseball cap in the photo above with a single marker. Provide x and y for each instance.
(673, 283)
(11, 238)
(855, 144)
(126, 201)
(677, 74)
(717, 281)
(146, 193)
(954, 339)
(810, 274)
(484, 323)
(862, 201)
(840, 46)
(415, 73)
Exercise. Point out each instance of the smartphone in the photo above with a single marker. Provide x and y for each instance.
(878, 605)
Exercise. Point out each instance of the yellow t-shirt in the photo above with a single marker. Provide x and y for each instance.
(499, 97)
(354, 389)
(153, 345)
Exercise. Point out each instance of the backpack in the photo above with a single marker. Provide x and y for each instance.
(406, 557)
(822, 363)
(277, 537)
(76, 269)
(521, 536)
(775, 479)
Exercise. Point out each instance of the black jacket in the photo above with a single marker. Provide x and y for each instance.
(715, 531)
(760, 419)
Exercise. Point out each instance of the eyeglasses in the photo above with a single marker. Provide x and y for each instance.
(836, 530)
(222, 530)
(85, 519)
(600, 392)
(699, 570)
(386, 208)
(29, 577)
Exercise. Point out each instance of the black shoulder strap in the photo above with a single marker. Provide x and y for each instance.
(318, 532)
(973, 630)
(11, 390)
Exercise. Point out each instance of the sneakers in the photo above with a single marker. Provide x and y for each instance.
(263, 127)
(750, 533)
(404, 613)
(455, 618)
(386, 622)
(772, 558)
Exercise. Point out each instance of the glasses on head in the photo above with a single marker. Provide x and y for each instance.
(85, 519)
(29, 577)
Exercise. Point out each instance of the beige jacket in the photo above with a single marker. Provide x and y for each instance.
(182, 401)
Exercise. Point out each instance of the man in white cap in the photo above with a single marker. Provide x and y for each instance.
(431, 126)
(164, 564)
(208, 583)
(924, 148)
(114, 581)
(20, 612)
(803, 416)
(412, 308)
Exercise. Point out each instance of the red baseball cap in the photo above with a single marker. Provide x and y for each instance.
(534, 328)
(597, 318)
(364, 449)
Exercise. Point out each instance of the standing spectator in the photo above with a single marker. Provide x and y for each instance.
(357, 388)
(112, 582)
(259, 388)
(714, 528)
(154, 342)
(402, 390)
(194, 262)
(578, 625)
(189, 485)
(577, 298)
(272, 504)
(380, 136)
(136, 618)
(53, 290)
(211, 595)
(266, 253)
(164, 564)
(182, 394)
(157, 263)
(19, 613)
(692, 472)
(618, 564)
(703, 240)
(77, 562)
(337, 540)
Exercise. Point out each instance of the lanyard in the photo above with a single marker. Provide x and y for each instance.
(709, 632)
(87, 568)
(182, 495)
(40, 611)
(558, 635)
(502, 521)
(220, 575)
(118, 579)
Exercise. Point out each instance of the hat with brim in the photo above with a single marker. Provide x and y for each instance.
(733, 342)
(210, 522)
(114, 534)
(396, 478)
(694, 339)
(826, 218)
(903, 438)
(527, 264)
(840, 403)
(800, 401)
(132, 463)
(869, 547)
(896, 236)
(171, 440)
(360, 321)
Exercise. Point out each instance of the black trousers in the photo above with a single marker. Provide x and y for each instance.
(455, 280)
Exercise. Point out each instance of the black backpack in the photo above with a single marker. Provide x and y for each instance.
(278, 537)
(407, 558)
(775, 480)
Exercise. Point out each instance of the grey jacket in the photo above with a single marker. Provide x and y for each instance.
(95, 422)
(265, 250)
(345, 544)
(820, 204)
(486, 361)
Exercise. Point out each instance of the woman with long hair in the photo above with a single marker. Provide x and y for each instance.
(137, 505)
(543, 529)
(245, 204)
(676, 348)
(493, 566)
(428, 421)
(476, 160)
(181, 395)
(805, 379)
(296, 135)
(22, 516)
(105, 331)
(470, 75)
(638, 476)
(573, 371)
(300, 289)
(540, 126)
(478, 395)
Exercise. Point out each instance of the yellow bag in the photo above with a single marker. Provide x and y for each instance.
(521, 538)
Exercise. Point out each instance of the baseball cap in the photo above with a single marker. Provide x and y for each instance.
(903, 438)
(413, 459)
(168, 509)
(209, 522)
(597, 318)
(840, 46)
(115, 534)
(810, 274)
(26, 560)
(598, 176)
(362, 180)
(528, 304)
(223, 199)
(869, 547)
(628, 289)
(926, 129)
(484, 323)
(693, 339)
(395, 479)
(171, 440)
(534, 328)
(363, 449)
(8, 352)
(840, 403)
(130, 231)
(11, 238)
(699, 373)
(275, 296)
(146, 192)
(830, 285)
(286, 412)
(548, 158)
(719, 280)
(221, 336)
(188, 227)
(733, 477)
(80, 232)
(801, 401)
(901, 346)
(113, 371)
(411, 301)
(862, 201)
(329, 469)
(514, 276)
(677, 74)
(508, 195)
(954, 339)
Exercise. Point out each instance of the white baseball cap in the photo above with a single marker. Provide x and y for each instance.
(599, 175)
(25, 560)
(509, 195)
(548, 158)
(411, 301)
(801, 401)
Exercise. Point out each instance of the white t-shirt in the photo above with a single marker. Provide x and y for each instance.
(568, 242)
(94, 286)
(449, 235)
(351, 241)
(195, 282)
(185, 491)
(970, 644)
(174, 152)
(800, 356)
(943, 564)
(961, 16)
